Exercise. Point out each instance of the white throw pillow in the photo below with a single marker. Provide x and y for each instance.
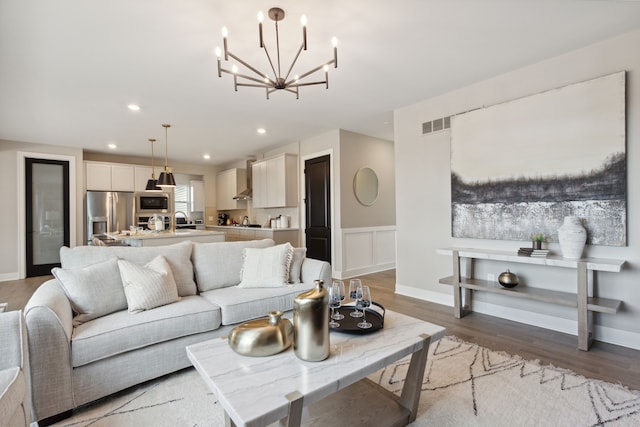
(148, 286)
(299, 254)
(266, 268)
(94, 290)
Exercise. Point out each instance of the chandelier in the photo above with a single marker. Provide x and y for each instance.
(279, 81)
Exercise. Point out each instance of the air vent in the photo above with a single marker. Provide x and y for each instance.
(436, 125)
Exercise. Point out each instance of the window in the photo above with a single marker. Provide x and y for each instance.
(181, 198)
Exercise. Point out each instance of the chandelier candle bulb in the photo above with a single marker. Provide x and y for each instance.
(225, 33)
(303, 20)
(260, 19)
(334, 42)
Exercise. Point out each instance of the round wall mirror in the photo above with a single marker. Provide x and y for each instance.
(365, 186)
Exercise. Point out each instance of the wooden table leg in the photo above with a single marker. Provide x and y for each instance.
(410, 397)
(294, 419)
(584, 316)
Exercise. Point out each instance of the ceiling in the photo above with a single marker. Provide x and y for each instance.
(69, 68)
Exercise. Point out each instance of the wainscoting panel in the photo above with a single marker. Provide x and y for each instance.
(367, 250)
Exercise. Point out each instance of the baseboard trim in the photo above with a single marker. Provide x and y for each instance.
(9, 276)
(364, 270)
(600, 333)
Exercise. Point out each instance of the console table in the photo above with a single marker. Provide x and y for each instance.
(583, 299)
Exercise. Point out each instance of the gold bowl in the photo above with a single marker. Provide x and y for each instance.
(262, 337)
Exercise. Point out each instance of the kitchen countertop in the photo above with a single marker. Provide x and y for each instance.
(244, 227)
(144, 235)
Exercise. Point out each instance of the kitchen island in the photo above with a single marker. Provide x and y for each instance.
(150, 238)
(239, 232)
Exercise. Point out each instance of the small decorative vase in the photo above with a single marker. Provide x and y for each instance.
(311, 324)
(262, 337)
(508, 279)
(572, 237)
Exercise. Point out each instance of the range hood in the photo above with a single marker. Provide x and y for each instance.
(248, 192)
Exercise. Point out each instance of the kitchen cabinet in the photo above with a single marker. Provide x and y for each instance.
(197, 196)
(109, 177)
(275, 182)
(228, 184)
(142, 174)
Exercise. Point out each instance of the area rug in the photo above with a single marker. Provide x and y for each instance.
(464, 385)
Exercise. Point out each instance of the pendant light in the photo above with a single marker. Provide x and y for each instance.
(152, 184)
(166, 177)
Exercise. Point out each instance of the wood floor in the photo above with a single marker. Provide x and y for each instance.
(604, 361)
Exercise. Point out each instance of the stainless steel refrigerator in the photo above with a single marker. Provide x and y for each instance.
(108, 211)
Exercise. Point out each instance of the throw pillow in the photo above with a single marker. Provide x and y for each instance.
(299, 254)
(94, 290)
(266, 268)
(178, 256)
(219, 264)
(148, 286)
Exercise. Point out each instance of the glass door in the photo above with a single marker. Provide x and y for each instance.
(47, 214)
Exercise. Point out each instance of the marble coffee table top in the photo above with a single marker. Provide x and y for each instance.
(253, 390)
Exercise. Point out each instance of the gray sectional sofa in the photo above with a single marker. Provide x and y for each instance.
(76, 358)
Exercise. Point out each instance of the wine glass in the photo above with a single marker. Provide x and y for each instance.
(338, 315)
(364, 302)
(355, 293)
(334, 302)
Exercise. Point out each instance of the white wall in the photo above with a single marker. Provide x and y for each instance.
(424, 203)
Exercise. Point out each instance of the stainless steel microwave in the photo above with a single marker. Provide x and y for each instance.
(153, 202)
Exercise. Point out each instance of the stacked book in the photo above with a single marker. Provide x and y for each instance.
(538, 253)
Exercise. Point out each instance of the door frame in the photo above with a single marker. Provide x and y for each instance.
(21, 203)
(335, 220)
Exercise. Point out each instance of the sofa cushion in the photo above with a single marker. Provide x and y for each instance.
(122, 332)
(242, 304)
(219, 264)
(148, 286)
(13, 389)
(299, 254)
(178, 256)
(266, 267)
(94, 290)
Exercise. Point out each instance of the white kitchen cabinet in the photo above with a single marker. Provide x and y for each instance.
(275, 182)
(228, 184)
(142, 174)
(197, 196)
(109, 177)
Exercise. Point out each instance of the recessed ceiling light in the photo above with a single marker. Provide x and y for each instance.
(261, 131)
(133, 107)
(206, 157)
(112, 146)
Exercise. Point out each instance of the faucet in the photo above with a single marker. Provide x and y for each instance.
(173, 219)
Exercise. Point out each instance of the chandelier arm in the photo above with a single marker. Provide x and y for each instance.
(294, 61)
(278, 48)
(264, 46)
(247, 65)
(308, 84)
(254, 85)
(319, 67)
(261, 81)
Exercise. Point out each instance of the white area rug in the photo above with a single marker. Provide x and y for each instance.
(464, 385)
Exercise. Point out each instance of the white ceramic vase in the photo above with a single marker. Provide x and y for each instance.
(572, 237)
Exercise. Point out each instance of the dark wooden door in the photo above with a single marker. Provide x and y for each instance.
(47, 214)
(318, 207)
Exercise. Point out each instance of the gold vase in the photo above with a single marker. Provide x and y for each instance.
(262, 337)
(311, 324)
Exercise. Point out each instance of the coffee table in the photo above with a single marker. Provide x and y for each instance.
(257, 391)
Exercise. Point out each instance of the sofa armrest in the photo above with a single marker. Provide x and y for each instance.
(48, 316)
(314, 269)
(13, 338)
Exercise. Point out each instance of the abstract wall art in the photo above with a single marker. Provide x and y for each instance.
(520, 167)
